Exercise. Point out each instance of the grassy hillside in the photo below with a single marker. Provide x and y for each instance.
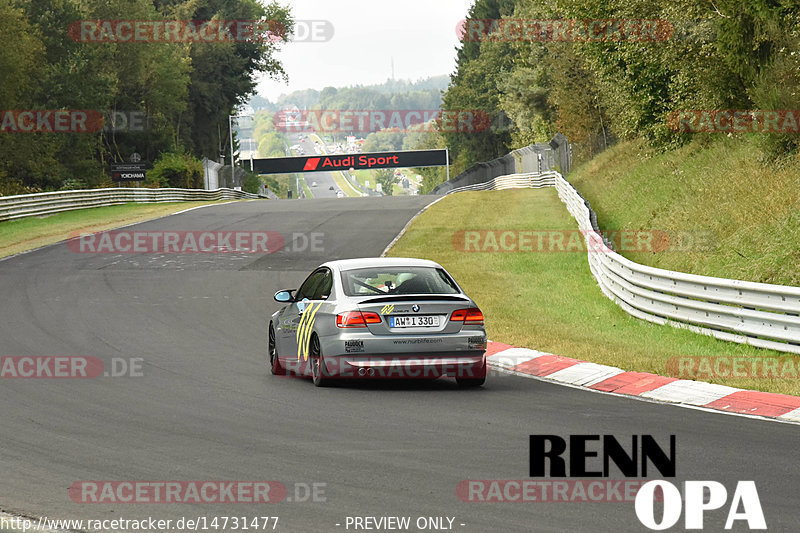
(749, 202)
(550, 301)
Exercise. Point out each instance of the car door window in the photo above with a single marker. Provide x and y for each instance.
(308, 288)
(317, 286)
(323, 289)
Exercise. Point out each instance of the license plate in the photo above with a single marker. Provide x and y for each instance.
(415, 321)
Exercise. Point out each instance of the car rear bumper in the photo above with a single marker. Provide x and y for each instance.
(406, 367)
(354, 354)
(388, 366)
(468, 341)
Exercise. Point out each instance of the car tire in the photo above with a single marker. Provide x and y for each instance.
(274, 362)
(472, 382)
(318, 373)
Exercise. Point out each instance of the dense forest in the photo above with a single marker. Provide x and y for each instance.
(391, 94)
(165, 98)
(595, 80)
(421, 95)
(614, 80)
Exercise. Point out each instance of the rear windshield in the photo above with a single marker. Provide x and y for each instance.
(397, 280)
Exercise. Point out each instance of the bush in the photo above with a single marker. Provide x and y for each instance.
(176, 170)
(13, 186)
(251, 183)
(73, 184)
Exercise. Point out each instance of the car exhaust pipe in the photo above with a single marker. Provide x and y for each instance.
(362, 371)
(371, 372)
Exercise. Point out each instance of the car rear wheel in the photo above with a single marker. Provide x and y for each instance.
(318, 373)
(476, 380)
(274, 362)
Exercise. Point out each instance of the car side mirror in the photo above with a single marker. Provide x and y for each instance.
(284, 295)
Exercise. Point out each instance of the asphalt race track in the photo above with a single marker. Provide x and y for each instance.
(207, 408)
(324, 180)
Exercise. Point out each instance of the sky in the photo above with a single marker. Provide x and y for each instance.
(419, 35)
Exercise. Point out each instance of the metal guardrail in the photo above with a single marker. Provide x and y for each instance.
(759, 314)
(46, 203)
(512, 181)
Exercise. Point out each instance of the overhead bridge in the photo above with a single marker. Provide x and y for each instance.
(359, 161)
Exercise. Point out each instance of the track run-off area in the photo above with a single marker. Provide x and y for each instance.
(194, 399)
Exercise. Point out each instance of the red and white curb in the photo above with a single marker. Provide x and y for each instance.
(602, 378)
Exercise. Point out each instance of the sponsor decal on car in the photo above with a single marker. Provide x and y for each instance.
(304, 330)
(353, 346)
(477, 343)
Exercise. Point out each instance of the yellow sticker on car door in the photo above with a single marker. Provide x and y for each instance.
(304, 330)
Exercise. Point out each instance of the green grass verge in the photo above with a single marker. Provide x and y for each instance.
(25, 234)
(749, 202)
(364, 176)
(280, 184)
(551, 301)
(304, 186)
(344, 184)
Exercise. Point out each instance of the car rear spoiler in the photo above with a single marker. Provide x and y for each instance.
(415, 298)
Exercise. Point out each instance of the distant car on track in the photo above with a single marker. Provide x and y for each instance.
(378, 318)
(339, 194)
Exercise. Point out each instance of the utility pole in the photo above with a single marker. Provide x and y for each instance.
(230, 132)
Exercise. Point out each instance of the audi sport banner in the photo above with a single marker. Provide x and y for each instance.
(327, 163)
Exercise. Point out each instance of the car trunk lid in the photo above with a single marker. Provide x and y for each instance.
(415, 315)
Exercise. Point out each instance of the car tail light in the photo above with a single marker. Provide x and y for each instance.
(357, 319)
(458, 316)
(473, 315)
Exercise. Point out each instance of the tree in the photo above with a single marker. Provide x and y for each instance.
(384, 141)
(183, 91)
(385, 176)
(480, 67)
(427, 139)
(21, 65)
(224, 73)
